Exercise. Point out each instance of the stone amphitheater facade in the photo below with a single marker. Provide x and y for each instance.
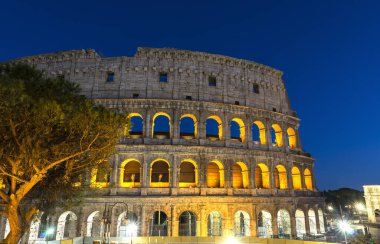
(256, 182)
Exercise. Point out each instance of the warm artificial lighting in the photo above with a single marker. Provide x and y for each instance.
(50, 231)
(360, 206)
(131, 229)
(330, 208)
(345, 227)
(231, 240)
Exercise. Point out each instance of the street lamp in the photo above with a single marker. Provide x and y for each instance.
(345, 228)
(106, 220)
(231, 240)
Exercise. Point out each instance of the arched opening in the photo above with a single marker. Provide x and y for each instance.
(33, 229)
(130, 173)
(214, 128)
(188, 126)
(242, 224)
(188, 175)
(262, 176)
(100, 175)
(264, 224)
(94, 224)
(214, 224)
(321, 221)
(159, 174)
(239, 175)
(43, 226)
(377, 215)
(300, 223)
(292, 138)
(258, 133)
(312, 222)
(276, 135)
(187, 224)
(296, 177)
(67, 226)
(159, 224)
(237, 129)
(280, 177)
(283, 224)
(308, 179)
(137, 127)
(127, 225)
(215, 175)
(161, 126)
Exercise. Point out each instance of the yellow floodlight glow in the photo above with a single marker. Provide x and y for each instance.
(231, 240)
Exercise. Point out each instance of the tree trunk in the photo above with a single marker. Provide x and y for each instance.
(15, 223)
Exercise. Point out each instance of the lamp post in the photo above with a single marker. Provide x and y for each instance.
(106, 220)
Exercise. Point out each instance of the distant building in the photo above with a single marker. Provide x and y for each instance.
(214, 149)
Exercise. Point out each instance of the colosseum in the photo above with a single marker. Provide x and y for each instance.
(214, 150)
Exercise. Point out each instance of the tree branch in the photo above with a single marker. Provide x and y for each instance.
(4, 196)
(11, 175)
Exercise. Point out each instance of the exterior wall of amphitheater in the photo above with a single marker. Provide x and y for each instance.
(271, 175)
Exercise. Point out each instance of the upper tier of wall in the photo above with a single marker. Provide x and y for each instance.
(187, 77)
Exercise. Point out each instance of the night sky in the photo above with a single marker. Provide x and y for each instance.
(329, 52)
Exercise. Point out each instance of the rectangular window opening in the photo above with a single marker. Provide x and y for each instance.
(237, 103)
(256, 88)
(163, 77)
(211, 81)
(188, 98)
(135, 95)
(110, 76)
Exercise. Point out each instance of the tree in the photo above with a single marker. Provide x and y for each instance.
(47, 129)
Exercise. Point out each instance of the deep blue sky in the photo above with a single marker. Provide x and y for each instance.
(329, 52)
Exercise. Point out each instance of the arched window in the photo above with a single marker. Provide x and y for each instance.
(67, 225)
(308, 179)
(100, 175)
(187, 224)
(242, 224)
(136, 129)
(43, 226)
(237, 129)
(215, 175)
(94, 223)
(300, 223)
(161, 126)
(258, 132)
(321, 221)
(130, 175)
(377, 215)
(214, 128)
(276, 134)
(283, 223)
(33, 229)
(312, 222)
(280, 177)
(159, 174)
(159, 224)
(292, 137)
(127, 225)
(264, 224)
(262, 176)
(188, 126)
(296, 177)
(188, 176)
(239, 175)
(214, 224)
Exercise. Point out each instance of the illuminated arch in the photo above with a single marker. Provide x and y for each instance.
(185, 122)
(321, 221)
(214, 123)
(300, 223)
(188, 176)
(262, 176)
(296, 177)
(240, 176)
(100, 176)
(242, 224)
(238, 125)
(67, 225)
(276, 134)
(283, 223)
(127, 224)
(292, 137)
(162, 133)
(137, 127)
(312, 221)
(258, 132)
(215, 174)
(34, 229)
(214, 224)
(264, 224)
(159, 173)
(308, 179)
(280, 177)
(130, 173)
(94, 225)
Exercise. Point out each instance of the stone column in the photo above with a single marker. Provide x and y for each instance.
(148, 124)
(289, 176)
(271, 175)
(175, 222)
(143, 222)
(253, 222)
(268, 134)
(293, 224)
(146, 173)
(307, 224)
(274, 222)
(317, 220)
(285, 139)
(313, 177)
(248, 132)
(226, 127)
(176, 120)
(227, 174)
(302, 175)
